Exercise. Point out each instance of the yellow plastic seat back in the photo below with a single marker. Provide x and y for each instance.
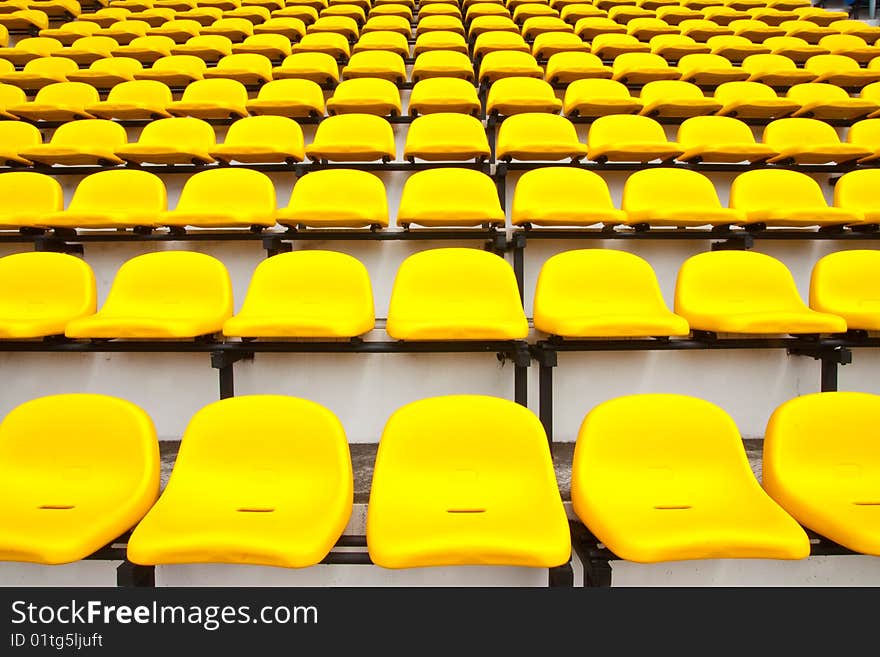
(629, 138)
(134, 99)
(450, 197)
(537, 136)
(225, 198)
(262, 139)
(306, 294)
(442, 94)
(365, 96)
(745, 292)
(503, 63)
(167, 294)
(515, 95)
(353, 138)
(288, 97)
(842, 284)
(102, 477)
(283, 502)
(592, 98)
(821, 463)
(175, 70)
(212, 99)
(661, 477)
(720, 139)
(337, 198)
(42, 291)
(179, 140)
(446, 136)
(442, 63)
(854, 191)
(59, 101)
(376, 64)
(89, 141)
(273, 46)
(752, 100)
(247, 68)
(16, 137)
(809, 141)
(602, 293)
(827, 101)
(440, 495)
(565, 67)
(435, 297)
(318, 67)
(563, 196)
(26, 195)
(207, 47)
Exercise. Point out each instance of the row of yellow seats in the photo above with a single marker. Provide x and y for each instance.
(588, 293)
(232, 512)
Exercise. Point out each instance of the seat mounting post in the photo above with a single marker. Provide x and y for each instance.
(223, 361)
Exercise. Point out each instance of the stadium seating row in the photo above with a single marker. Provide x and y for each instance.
(447, 197)
(325, 294)
(439, 494)
(440, 137)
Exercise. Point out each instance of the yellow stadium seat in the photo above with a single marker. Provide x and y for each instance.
(855, 191)
(106, 16)
(625, 13)
(221, 198)
(209, 48)
(353, 138)
(291, 98)
(720, 139)
(25, 19)
(307, 15)
(866, 133)
(442, 63)
(709, 70)
(640, 68)
(136, 99)
(677, 14)
(628, 138)
(675, 46)
(786, 198)
(343, 25)
(51, 516)
(563, 196)
(550, 43)
(306, 294)
(776, 71)
(736, 48)
(318, 67)
(16, 137)
(175, 70)
(237, 29)
(820, 463)
(591, 27)
(806, 30)
(819, 16)
(249, 69)
(675, 99)
(160, 14)
(429, 24)
(376, 64)
(167, 294)
(347, 10)
(498, 41)
(253, 13)
(86, 50)
(388, 23)
(537, 25)
(755, 30)
(482, 24)
(444, 95)
(292, 28)
(9, 96)
(27, 196)
(440, 40)
(124, 31)
(365, 96)
(337, 198)
(771, 15)
(527, 10)
(30, 48)
(112, 199)
(826, 101)
(840, 70)
(212, 99)
(700, 29)
(450, 197)
(474, 10)
(516, 95)
(536, 136)
(434, 298)
(869, 33)
(609, 46)
(108, 72)
(659, 477)
(272, 46)
(88, 141)
(446, 137)
(752, 100)
(795, 49)
(41, 72)
(328, 43)
(384, 40)
(393, 10)
(503, 64)
(644, 29)
(261, 139)
(674, 197)
(66, 33)
(809, 141)
(849, 45)
(60, 101)
(590, 293)
(566, 67)
(723, 15)
(181, 140)
(456, 437)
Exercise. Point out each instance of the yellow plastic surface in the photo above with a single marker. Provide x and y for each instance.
(841, 70)
(550, 43)
(592, 98)
(735, 48)
(175, 70)
(337, 198)
(745, 292)
(849, 45)
(382, 40)
(666, 478)
(446, 136)
(208, 47)
(261, 139)
(515, 95)
(640, 68)
(563, 196)
(26, 195)
(135, 99)
(701, 29)
(829, 102)
(343, 25)
(648, 27)
(629, 138)
(167, 294)
(379, 22)
(441, 495)
(15, 137)
(306, 294)
(292, 28)
(842, 284)
(709, 70)
(59, 101)
(212, 99)
(590, 27)
(798, 50)
(499, 41)
(247, 68)
(503, 64)
(752, 100)
(102, 477)
(566, 67)
(289, 97)
(720, 139)
(179, 30)
(89, 141)
(602, 293)
(675, 98)
(609, 46)
(30, 48)
(442, 64)
(450, 197)
(375, 96)
(237, 29)
(353, 138)
(282, 501)
(439, 40)
(776, 71)
(809, 141)
(535, 136)
(328, 43)
(87, 49)
(218, 198)
(857, 28)
(376, 64)
(435, 298)
(755, 30)
(676, 46)
(857, 193)
(439, 23)
(822, 464)
(674, 197)
(113, 199)
(318, 67)
(442, 94)
(180, 140)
